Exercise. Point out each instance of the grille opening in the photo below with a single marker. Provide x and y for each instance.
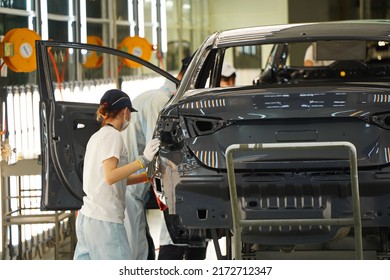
(386, 120)
(202, 214)
(158, 184)
(204, 126)
(253, 203)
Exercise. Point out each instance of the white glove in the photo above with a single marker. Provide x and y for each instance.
(151, 149)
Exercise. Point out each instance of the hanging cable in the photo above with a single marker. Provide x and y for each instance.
(56, 72)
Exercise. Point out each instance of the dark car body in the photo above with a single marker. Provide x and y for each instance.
(346, 100)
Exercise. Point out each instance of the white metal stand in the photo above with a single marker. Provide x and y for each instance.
(239, 223)
(19, 217)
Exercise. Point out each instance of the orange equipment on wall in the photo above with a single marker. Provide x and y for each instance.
(18, 49)
(93, 58)
(137, 46)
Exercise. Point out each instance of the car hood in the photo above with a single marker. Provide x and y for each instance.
(291, 102)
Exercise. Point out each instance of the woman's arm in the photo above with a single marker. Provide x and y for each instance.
(137, 178)
(113, 174)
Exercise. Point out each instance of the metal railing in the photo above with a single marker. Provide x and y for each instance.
(239, 223)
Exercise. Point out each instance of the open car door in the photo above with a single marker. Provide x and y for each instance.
(72, 77)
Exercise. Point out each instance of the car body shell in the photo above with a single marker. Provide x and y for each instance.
(288, 106)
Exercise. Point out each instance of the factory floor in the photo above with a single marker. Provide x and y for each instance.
(155, 218)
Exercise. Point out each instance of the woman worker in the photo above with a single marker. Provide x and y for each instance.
(99, 228)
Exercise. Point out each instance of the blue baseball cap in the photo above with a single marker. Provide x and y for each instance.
(115, 99)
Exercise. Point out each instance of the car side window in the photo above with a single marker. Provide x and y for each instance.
(82, 76)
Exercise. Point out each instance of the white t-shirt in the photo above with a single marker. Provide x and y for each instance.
(102, 201)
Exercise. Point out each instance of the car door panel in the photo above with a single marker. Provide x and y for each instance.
(70, 90)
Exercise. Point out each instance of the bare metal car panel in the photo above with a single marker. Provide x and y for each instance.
(336, 105)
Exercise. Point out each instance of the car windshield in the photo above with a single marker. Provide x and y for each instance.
(297, 62)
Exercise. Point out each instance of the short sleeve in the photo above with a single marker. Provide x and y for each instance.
(112, 146)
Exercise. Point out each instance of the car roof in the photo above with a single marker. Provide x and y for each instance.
(353, 29)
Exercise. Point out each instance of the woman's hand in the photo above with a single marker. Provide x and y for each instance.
(151, 149)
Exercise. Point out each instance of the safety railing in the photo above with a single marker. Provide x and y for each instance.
(239, 223)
